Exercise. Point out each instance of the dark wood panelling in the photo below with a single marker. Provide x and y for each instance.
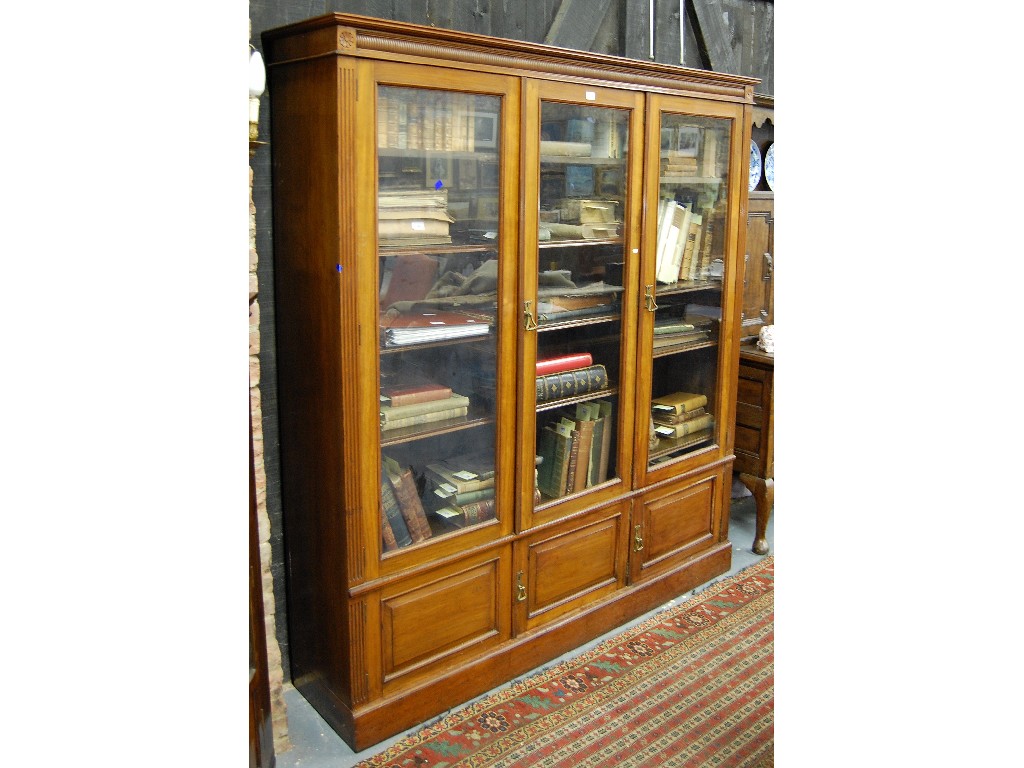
(576, 24)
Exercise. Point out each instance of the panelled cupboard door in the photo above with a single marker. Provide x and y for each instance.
(580, 232)
(561, 568)
(675, 523)
(444, 151)
(689, 269)
(455, 612)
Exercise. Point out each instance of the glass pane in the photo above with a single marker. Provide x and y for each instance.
(689, 267)
(437, 236)
(581, 260)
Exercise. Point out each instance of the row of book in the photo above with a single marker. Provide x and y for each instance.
(569, 376)
(430, 120)
(682, 415)
(420, 404)
(583, 137)
(684, 242)
(413, 217)
(403, 520)
(575, 449)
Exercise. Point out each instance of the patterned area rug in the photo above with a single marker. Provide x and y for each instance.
(691, 686)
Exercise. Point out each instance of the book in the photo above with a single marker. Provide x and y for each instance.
(470, 514)
(574, 454)
(471, 496)
(607, 428)
(670, 259)
(665, 208)
(432, 417)
(670, 326)
(399, 396)
(408, 500)
(663, 417)
(683, 428)
(564, 363)
(580, 302)
(585, 427)
(461, 474)
(571, 383)
(387, 535)
(678, 402)
(554, 447)
(392, 413)
(400, 329)
(565, 148)
(697, 230)
(693, 230)
(678, 339)
(391, 511)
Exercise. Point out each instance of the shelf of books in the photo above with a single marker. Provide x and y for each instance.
(689, 269)
(437, 225)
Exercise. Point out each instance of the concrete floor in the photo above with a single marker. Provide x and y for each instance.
(316, 745)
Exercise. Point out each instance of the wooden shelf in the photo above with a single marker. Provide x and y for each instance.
(420, 432)
(676, 349)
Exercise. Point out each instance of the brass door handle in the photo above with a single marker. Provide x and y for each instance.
(520, 589)
(649, 298)
(529, 323)
(638, 540)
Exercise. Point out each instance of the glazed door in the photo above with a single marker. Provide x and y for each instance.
(445, 251)
(580, 232)
(689, 269)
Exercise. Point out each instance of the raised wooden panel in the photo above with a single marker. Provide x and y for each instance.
(747, 440)
(748, 415)
(678, 521)
(434, 617)
(749, 391)
(562, 567)
(674, 524)
(758, 274)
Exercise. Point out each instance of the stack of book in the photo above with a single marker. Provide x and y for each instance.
(413, 217)
(682, 416)
(686, 331)
(461, 490)
(418, 405)
(569, 376)
(675, 164)
(575, 449)
(403, 519)
(400, 329)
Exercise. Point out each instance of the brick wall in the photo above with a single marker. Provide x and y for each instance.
(279, 714)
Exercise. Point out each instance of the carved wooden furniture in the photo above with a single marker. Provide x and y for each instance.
(755, 434)
(471, 330)
(759, 272)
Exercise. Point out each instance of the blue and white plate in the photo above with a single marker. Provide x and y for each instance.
(755, 166)
(769, 167)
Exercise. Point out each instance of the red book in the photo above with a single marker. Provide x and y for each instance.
(564, 363)
(421, 394)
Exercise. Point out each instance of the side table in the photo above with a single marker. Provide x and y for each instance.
(755, 434)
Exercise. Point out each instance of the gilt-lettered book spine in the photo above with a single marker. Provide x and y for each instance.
(571, 383)
(412, 508)
(393, 512)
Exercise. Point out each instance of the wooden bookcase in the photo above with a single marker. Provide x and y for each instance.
(449, 211)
